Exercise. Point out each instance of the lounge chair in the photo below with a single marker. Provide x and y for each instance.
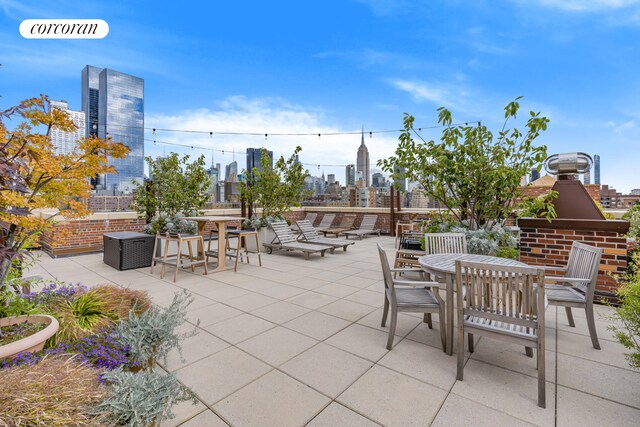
(345, 225)
(326, 222)
(367, 226)
(310, 235)
(287, 241)
(310, 216)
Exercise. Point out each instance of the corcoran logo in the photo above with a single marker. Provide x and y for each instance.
(64, 29)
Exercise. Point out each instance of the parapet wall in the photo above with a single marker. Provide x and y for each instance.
(548, 243)
(70, 237)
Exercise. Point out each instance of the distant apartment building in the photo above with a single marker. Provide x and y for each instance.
(254, 161)
(377, 180)
(363, 197)
(627, 200)
(67, 142)
(400, 179)
(635, 192)
(362, 164)
(609, 197)
(315, 184)
(213, 189)
(331, 179)
(596, 169)
(231, 172)
(113, 103)
(350, 175)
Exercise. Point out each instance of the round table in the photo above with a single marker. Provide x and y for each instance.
(444, 266)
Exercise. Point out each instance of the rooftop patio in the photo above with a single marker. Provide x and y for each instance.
(298, 342)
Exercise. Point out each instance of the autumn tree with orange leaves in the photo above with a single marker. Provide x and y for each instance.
(33, 178)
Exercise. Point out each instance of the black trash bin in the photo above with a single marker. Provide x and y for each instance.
(126, 250)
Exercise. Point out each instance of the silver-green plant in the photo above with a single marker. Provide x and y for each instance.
(153, 333)
(141, 399)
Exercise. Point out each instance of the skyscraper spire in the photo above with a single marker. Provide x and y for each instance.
(362, 165)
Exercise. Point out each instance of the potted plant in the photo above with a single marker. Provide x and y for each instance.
(275, 190)
(25, 333)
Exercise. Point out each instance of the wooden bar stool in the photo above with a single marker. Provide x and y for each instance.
(241, 249)
(177, 260)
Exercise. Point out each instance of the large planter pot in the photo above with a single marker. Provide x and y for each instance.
(265, 235)
(33, 342)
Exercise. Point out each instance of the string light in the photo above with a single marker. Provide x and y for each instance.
(211, 133)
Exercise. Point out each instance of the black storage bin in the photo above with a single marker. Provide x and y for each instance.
(126, 250)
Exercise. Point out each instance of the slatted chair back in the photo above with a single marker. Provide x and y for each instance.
(445, 243)
(584, 261)
(502, 302)
(499, 293)
(368, 222)
(311, 217)
(283, 232)
(386, 272)
(327, 220)
(347, 221)
(307, 230)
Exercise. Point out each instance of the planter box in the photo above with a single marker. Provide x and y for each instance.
(128, 250)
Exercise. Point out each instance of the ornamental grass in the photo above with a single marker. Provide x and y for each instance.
(55, 392)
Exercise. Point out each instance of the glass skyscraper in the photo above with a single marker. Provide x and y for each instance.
(113, 103)
(596, 169)
(254, 160)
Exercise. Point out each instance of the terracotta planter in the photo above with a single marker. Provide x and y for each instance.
(33, 342)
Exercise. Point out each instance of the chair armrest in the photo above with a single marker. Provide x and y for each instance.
(553, 267)
(416, 283)
(406, 270)
(567, 279)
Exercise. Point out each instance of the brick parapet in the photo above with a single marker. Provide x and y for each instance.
(548, 243)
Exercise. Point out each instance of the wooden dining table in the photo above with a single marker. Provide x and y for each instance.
(443, 267)
(221, 223)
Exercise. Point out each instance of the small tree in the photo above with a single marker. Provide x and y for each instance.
(468, 172)
(276, 189)
(176, 186)
(34, 178)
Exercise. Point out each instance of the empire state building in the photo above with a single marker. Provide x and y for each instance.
(362, 164)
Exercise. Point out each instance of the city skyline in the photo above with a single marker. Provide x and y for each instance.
(281, 73)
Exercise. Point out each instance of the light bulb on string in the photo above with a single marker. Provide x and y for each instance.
(266, 136)
(318, 136)
(370, 134)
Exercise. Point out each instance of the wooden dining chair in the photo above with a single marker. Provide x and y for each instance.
(577, 285)
(445, 243)
(504, 303)
(416, 296)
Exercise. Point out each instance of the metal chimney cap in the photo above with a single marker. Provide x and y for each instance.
(568, 163)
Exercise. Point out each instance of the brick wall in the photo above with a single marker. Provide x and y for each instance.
(82, 236)
(544, 243)
(85, 235)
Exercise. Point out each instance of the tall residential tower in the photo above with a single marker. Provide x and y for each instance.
(596, 169)
(66, 142)
(113, 103)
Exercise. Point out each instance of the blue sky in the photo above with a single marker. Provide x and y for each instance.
(336, 66)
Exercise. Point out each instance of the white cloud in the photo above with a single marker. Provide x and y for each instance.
(586, 5)
(442, 94)
(271, 116)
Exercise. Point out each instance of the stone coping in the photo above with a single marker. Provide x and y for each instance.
(103, 216)
(616, 226)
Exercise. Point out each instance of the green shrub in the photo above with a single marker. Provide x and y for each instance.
(628, 314)
(81, 317)
(152, 334)
(633, 216)
(508, 252)
(538, 207)
(141, 399)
